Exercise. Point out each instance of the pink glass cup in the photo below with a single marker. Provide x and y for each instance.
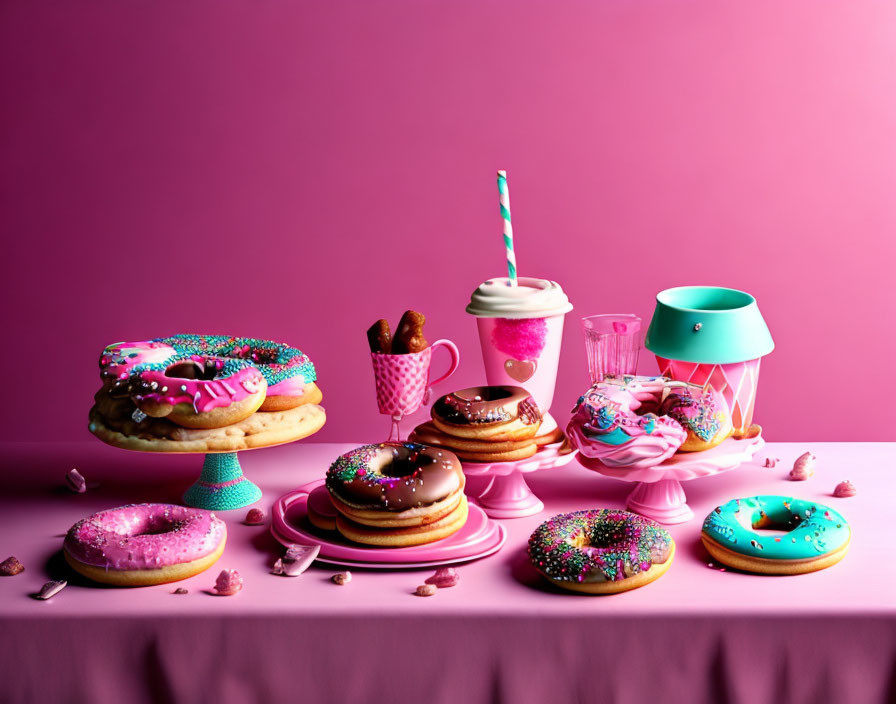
(736, 382)
(523, 352)
(613, 343)
(402, 381)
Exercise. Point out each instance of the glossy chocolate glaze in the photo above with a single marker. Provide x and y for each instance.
(487, 404)
(395, 476)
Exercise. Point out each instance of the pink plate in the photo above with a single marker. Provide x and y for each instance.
(479, 537)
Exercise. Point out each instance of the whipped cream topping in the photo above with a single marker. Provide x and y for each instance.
(531, 298)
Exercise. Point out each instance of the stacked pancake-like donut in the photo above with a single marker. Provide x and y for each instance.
(396, 494)
(628, 420)
(485, 424)
(201, 393)
(145, 544)
(601, 551)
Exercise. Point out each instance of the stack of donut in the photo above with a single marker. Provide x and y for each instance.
(394, 494)
(485, 424)
(628, 420)
(205, 393)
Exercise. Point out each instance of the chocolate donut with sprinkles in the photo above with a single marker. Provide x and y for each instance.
(601, 551)
(397, 494)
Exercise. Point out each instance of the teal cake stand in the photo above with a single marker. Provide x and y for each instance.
(222, 485)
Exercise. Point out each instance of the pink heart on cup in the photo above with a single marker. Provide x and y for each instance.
(520, 371)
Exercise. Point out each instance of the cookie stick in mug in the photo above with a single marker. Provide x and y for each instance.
(379, 337)
(409, 334)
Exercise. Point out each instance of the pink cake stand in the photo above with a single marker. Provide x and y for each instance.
(507, 494)
(658, 493)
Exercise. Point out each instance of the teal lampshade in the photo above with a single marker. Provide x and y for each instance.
(708, 325)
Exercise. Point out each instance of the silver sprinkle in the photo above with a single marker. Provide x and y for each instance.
(51, 589)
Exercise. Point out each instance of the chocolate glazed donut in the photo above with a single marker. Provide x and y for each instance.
(487, 404)
(492, 413)
(394, 476)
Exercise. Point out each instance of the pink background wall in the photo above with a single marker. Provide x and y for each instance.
(295, 170)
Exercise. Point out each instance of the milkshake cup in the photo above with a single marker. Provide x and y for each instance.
(521, 331)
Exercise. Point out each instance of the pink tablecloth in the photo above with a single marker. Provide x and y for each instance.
(696, 635)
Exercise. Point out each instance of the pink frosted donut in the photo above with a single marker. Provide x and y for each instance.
(145, 544)
(615, 422)
(643, 420)
(208, 381)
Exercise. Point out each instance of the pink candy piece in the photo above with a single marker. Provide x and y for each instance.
(75, 482)
(255, 517)
(51, 589)
(844, 490)
(803, 468)
(426, 590)
(297, 559)
(181, 590)
(11, 566)
(444, 577)
(771, 462)
(228, 583)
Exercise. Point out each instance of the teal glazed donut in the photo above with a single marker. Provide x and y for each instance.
(817, 536)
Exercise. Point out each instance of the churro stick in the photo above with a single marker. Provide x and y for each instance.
(379, 337)
(409, 335)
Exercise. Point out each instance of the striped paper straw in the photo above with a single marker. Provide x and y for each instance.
(504, 200)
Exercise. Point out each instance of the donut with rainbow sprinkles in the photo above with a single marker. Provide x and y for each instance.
(601, 551)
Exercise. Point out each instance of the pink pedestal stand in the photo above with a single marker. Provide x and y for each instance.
(658, 494)
(507, 494)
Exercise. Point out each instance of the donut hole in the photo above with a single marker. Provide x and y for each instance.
(485, 393)
(148, 525)
(399, 467)
(190, 369)
(158, 528)
(770, 525)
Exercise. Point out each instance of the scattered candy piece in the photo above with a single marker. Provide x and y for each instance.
(228, 583)
(51, 589)
(426, 590)
(11, 566)
(709, 564)
(255, 517)
(75, 482)
(843, 490)
(771, 462)
(181, 590)
(444, 577)
(297, 559)
(803, 468)
(342, 578)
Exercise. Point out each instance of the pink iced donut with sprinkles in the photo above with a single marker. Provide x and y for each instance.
(616, 423)
(145, 544)
(208, 381)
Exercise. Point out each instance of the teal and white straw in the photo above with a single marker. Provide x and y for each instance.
(504, 200)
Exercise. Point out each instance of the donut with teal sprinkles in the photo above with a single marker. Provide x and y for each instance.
(809, 536)
(601, 550)
(142, 368)
(276, 361)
